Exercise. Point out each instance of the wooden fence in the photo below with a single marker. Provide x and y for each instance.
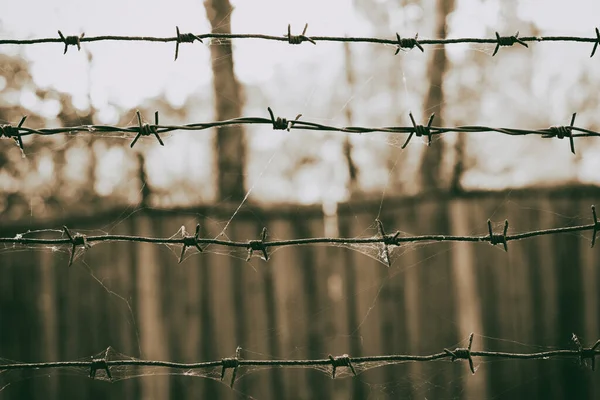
(310, 301)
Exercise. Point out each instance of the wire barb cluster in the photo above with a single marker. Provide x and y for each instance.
(184, 38)
(145, 129)
(262, 244)
(408, 43)
(100, 364)
(297, 39)
(581, 353)
(399, 42)
(507, 41)
(71, 41)
(280, 123)
(231, 363)
(8, 131)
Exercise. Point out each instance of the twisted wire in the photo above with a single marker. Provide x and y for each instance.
(581, 353)
(399, 42)
(262, 245)
(278, 123)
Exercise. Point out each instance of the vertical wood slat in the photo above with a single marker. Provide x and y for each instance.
(49, 316)
(371, 280)
(569, 312)
(590, 265)
(270, 332)
(466, 297)
(291, 309)
(152, 329)
(223, 307)
(409, 265)
(348, 259)
(437, 323)
(313, 297)
(249, 289)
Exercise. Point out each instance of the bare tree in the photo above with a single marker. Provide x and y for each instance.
(432, 158)
(230, 143)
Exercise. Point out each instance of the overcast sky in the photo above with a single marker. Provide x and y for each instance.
(126, 73)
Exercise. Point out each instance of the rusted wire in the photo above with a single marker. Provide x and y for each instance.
(581, 354)
(399, 42)
(387, 240)
(279, 123)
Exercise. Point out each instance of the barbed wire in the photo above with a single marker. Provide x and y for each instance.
(399, 42)
(335, 362)
(262, 245)
(278, 123)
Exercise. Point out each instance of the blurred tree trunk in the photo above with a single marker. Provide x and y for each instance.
(352, 170)
(230, 143)
(432, 157)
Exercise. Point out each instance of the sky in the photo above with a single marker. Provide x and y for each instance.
(144, 70)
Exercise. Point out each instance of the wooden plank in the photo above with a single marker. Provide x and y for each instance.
(149, 308)
(291, 310)
(248, 285)
(466, 293)
(224, 311)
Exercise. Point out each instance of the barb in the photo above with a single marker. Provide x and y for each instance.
(9, 131)
(235, 363)
(262, 244)
(563, 131)
(189, 241)
(258, 245)
(279, 123)
(231, 363)
(507, 41)
(387, 241)
(147, 129)
(297, 39)
(100, 363)
(71, 41)
(76, 240)
(184, 38)
(408, 43)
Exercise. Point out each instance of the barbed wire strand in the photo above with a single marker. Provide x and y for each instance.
(460, 353)
(278, 123)
(80, 240)
(399, 42)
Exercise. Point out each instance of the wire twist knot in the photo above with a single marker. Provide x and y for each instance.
(8, 131)
(461, 353)
(77, 239)
(71, 41)
(258, 245)
(341, 361)
(189, 241)
(184, 38)
(507, 41)
(408, 43)
(297, 39)
(419, 130)
(561, 132)
(282, 123)
(231, 363)
(145, 129)
(495, 238)
(587, 352)
(100, 364)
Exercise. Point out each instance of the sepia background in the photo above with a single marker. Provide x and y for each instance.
(306, 301)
